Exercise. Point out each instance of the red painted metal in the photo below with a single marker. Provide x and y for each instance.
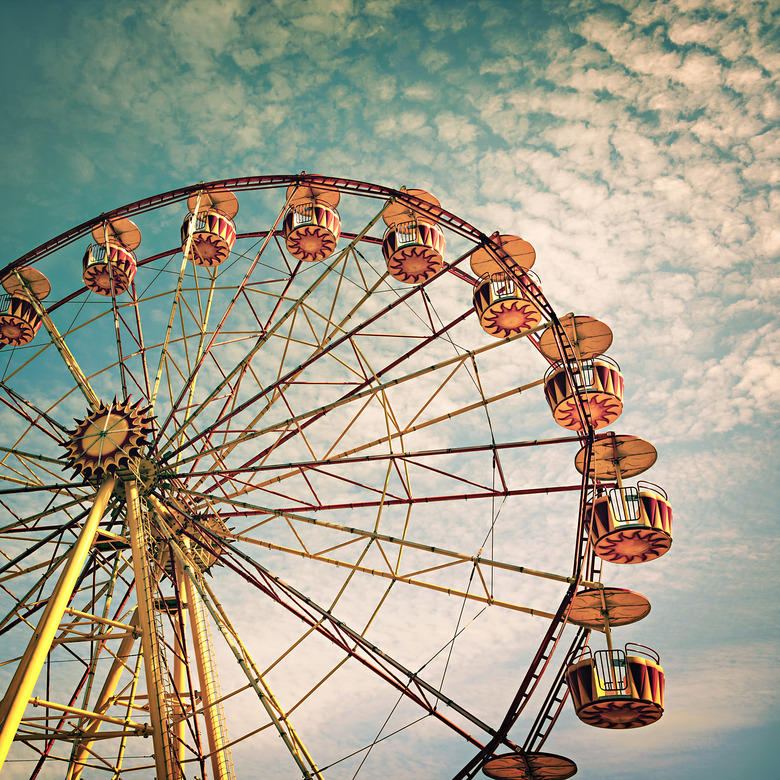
(409, 683)
(494, 447)
(319, 355)
(406, 501)
(283, 380)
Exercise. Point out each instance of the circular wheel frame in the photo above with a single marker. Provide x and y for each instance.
(345, 455)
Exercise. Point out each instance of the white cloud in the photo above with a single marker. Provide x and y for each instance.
(632, 148)
(683, 31)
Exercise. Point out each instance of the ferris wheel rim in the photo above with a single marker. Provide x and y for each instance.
(248, 183)
(168, 197)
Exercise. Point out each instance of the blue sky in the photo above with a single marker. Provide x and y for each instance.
(634, 144)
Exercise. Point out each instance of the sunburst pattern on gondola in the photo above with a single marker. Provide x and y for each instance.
(311, 243)
(414, 264)
(633, 545)
(109, 439)
(208, 250)
(414, 250)
(213, 236)
(603, 408)
(108, 272)
(20, 323)
(617, 689)
(506, 318)
(311, 230)
(599, 385)
(622, 535)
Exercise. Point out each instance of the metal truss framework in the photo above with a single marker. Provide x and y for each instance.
(310, 414)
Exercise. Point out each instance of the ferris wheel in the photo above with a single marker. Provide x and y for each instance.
(293, 489)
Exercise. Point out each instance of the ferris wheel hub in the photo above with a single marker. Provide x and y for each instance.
(110, 440)
(144, 472)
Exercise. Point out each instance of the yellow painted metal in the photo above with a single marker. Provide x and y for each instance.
(30, 455)
(166, 766)
(141, 728)
(457, 360)
(175, 304)
(370, 540)
(83, 749)
(213, 711)
(193, 380)
(239, 290)
(22, 685)
(339, 328)
(283, 716)
(115, 311)
(203, 649)
(180, 670)
(377, 388)
(264, 338)
(102, 737)
(130, 704)
(476, 559)
(132, 626)
(389, 575)
(59, 343)
(376, 442)
(435, 420)
(48, 565)
(196, 587)
(65, 640)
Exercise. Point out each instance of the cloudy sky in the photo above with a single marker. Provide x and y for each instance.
(633, 143)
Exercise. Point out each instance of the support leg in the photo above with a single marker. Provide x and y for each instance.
(23, 682)
(167, 767)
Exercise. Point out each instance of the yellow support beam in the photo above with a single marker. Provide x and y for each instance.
(98, 717)
(180, 671)
(213, 711)
(203, 648)
(22, 685)
(166, 765)
(141, 728)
